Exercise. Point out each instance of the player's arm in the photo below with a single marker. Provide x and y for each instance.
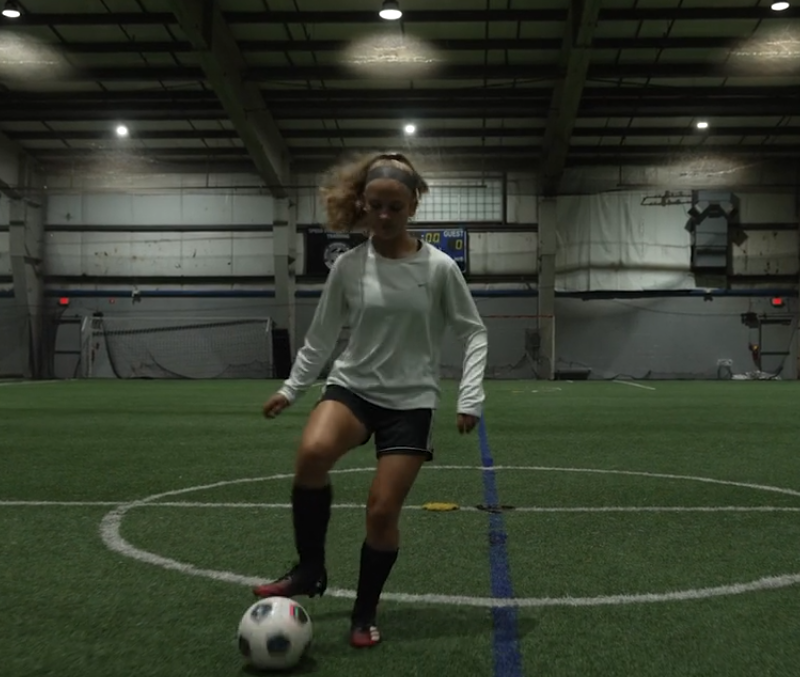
(465, 321)
(326, 325)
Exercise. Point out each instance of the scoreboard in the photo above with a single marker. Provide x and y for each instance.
(452, 241)
(323, 247)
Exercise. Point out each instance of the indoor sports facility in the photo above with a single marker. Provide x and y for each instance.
(619, 183)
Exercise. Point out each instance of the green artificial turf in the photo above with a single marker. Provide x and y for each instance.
(72, 607)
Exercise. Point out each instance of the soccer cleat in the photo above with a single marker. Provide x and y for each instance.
(364, 635)
(299, 580)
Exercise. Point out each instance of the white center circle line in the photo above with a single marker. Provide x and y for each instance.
(459, 508)
(110, 533)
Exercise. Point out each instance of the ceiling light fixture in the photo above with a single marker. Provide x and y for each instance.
(702, 124)
(122, 130)
(779, 6)
(390, 10)
(11, 10)
(410, 129)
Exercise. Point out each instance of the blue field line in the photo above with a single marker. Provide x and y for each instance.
(507, 656)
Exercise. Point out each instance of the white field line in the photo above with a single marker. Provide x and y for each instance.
(110, 534)
(26, 383)
(461, 508)
(634, 385)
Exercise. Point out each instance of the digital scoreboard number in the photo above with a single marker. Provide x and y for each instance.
(452, 241)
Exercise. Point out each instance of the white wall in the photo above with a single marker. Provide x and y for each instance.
(160, 200)
(217, 253)
(187, 207)
(465, 198)
(768, 251)
(168, 208)
(680, 173)
(622, 240)
(629, 238)
(638, 239)
(165, 206)
(669, 337)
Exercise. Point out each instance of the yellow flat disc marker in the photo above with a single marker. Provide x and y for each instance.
(440, 507)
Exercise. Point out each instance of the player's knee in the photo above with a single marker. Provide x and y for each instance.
(382, 515)
(315, 457)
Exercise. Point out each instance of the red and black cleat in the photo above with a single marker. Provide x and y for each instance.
(297, 581)
(364, 635)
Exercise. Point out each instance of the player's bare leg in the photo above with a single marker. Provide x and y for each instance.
(393, 480)
(331, 431)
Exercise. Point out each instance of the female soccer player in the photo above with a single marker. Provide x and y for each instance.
(398, 295)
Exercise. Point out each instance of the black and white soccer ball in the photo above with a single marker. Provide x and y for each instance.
(275, 633)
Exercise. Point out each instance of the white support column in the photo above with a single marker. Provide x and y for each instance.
(26, 250)
(284, 243)
(547, 288)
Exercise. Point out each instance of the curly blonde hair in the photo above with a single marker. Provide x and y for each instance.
(343, 187)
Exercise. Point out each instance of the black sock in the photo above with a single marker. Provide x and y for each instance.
(311, 512)
(375, 568)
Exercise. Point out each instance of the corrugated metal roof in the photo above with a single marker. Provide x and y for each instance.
(481, 84)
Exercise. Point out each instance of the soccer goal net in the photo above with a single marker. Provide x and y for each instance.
(177, 348)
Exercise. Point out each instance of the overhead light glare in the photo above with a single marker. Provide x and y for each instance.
(702, 124)
(779, 6)
(122, 130)
(390, 10)
(410, 129)
(11, 10)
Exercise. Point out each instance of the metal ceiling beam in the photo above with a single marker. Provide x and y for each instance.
(60, 108)
(740, 109)
(138, 96)
(307, 166)
(711, 13)
(512, 111)
(695, 93)
(477, 132)
(99, 135)
(413, 16)
(232, 152)
(543, 71)
(456, 45)
(574, 66)
(204, 98)
(782, 149)
(222, 65)
(728, 109)
(116, 151)
(623, 131)
(447, 164)
(542, 92)
(150, 113)
(399, 111)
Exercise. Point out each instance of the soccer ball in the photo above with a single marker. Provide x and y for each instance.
(274, 634)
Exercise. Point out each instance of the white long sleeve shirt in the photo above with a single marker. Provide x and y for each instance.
(397, 311)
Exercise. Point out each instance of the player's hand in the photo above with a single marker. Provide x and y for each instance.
(466, 423)
(275, 405)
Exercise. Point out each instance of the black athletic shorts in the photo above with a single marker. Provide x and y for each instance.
(397, 431)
